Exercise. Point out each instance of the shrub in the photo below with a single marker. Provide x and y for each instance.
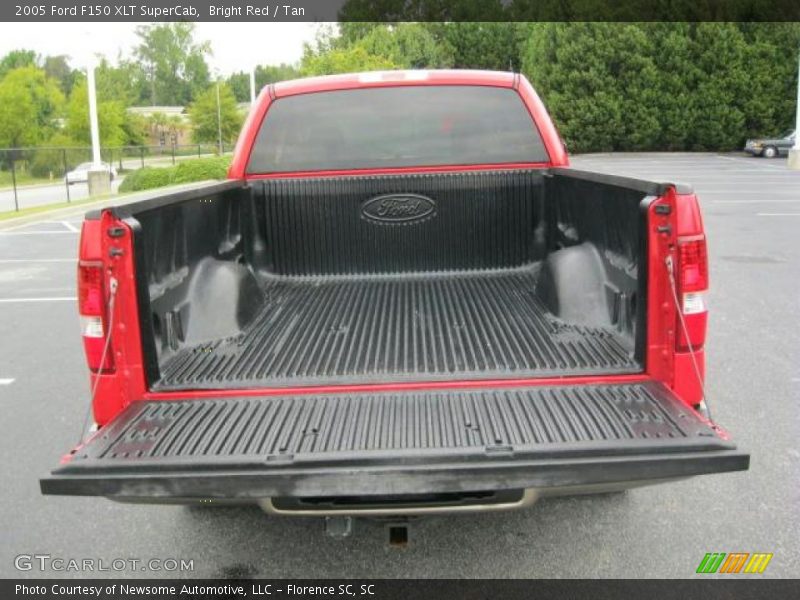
(187, 171)
(147, 178)
(201, 169)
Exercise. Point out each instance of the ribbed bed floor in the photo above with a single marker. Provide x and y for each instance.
(363, 329)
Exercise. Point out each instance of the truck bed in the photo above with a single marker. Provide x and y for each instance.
(298, 282)
(338, 329)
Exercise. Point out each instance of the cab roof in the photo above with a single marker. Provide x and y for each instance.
(370, 79)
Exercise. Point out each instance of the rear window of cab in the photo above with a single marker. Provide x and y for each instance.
(403, 126)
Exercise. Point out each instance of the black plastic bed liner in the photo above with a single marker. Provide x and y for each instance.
(396, 443)
(342, 329)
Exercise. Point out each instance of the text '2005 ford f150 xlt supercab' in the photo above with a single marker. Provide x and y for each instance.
(402, 300)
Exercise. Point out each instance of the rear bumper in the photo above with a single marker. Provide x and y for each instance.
(545, 439)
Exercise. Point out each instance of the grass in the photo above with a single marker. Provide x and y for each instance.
(22, 179)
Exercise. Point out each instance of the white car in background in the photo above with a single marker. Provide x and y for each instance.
(80, 174)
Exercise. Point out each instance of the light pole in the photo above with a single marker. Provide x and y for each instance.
(794, 152)
(98, 178)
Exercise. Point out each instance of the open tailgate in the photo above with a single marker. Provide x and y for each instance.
(410, 442)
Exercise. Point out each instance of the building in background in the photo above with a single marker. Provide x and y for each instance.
(167, 125)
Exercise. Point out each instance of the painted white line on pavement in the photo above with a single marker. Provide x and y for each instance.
(53, 299)
(70, 226)
(6, 381)
(9, 233)
(36, 260)
(750, 162)
(781, 201)
(778, 214)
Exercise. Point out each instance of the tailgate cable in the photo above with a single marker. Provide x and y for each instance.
(112, 285)
(703, 408)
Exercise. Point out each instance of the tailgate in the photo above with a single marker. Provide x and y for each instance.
(393, 443)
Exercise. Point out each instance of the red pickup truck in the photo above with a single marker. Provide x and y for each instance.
(403, 300)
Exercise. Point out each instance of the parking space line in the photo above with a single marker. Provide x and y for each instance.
(69, 226)
(6, 381)
(51, 299)
(778, 214)
(36, 260)
(762, 201)
(10, 233)
(751, 164)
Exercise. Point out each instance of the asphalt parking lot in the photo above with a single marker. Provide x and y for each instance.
(752, 213)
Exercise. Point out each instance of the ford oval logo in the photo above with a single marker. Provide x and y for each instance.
(398, 208)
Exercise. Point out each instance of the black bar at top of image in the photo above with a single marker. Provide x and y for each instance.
(401, 589)
(397, 10)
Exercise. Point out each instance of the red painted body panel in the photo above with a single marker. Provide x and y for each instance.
(128, 383)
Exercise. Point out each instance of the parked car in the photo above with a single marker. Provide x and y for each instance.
(403, 301)
(80, 174)
(771, 147)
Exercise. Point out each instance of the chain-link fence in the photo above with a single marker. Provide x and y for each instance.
(32, 177)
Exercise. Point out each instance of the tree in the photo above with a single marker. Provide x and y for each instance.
(401, 46)
(124, 82)
(408, 45)
(203, 115)
(174, 64)
(481, 45)
(58, 68)
(30, 102)
(111, 117)
(344, 60)
(17, 59)
(239, 82)
(664, 86)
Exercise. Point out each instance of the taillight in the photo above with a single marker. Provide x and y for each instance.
(94, 320)
(692, 282)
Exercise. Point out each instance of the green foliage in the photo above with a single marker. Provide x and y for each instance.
(111, 118)
(201, 169)
(343, 60)
(30, 102)
(17, 59)
(239, 82)
(124, 82)
(147, 178)
(401, 46)
(49, 161)
(208, 119)
(58, 68)
(187, 171)
(481, 45)
(663, 86)
(173, 63)
(408, 45)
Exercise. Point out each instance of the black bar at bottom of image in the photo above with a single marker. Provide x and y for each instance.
(712, 588)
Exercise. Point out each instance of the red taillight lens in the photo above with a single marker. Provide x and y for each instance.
(693, 264)
(92, 308)
(90, 290)
(692, 286)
